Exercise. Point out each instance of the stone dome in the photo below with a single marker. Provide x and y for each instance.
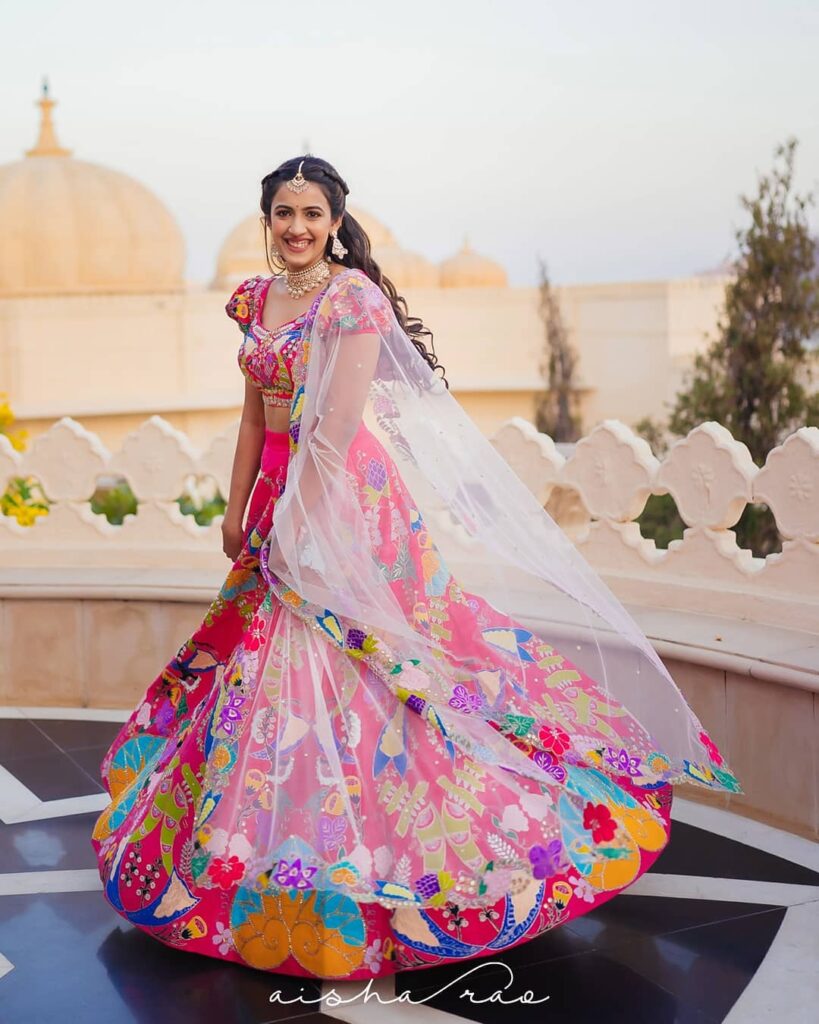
(379, 234)
(242, 254)
(406, 269)
(70, 227)
(468, 269)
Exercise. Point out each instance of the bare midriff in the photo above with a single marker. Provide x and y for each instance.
(277, 417)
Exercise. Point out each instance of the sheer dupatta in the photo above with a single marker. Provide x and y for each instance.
(343, 555)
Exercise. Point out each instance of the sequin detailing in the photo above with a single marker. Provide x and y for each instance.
(266, 357)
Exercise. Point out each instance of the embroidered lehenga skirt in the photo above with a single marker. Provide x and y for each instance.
(419, 804)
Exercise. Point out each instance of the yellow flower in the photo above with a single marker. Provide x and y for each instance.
(445, 880)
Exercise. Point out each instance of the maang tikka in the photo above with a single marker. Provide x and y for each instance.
(298, 183)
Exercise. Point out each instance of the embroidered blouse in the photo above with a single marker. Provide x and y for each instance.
(266, 358)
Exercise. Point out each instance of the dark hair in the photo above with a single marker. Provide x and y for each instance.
(354, 239)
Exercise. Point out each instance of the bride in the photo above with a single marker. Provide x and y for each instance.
(375, 754)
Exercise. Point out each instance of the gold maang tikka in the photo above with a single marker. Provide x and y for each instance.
(298, 183)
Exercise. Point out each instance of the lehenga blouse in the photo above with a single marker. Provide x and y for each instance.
(265, 356)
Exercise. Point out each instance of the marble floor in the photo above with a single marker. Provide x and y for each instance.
(725, 927)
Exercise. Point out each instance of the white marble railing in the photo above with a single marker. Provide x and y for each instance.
(595, 495)
(711, 478)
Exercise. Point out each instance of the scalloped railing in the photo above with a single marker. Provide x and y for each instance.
(596, 495)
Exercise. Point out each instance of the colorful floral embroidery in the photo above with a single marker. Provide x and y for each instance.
(304, 801)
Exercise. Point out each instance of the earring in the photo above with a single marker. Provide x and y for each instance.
(276, 262)
(274, 256)
(337, 249)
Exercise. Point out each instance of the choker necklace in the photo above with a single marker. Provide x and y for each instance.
(299, 282)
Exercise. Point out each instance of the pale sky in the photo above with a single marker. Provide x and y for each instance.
(613, 139)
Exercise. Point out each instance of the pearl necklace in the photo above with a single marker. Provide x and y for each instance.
(299, 282)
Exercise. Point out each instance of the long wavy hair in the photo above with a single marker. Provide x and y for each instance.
(354, 239)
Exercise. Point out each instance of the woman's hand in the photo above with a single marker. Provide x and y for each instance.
(232, 535)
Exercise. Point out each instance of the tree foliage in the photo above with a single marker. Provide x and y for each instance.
(554, 412)
(755, 378)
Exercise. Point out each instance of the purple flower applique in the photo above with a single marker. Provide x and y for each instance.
(621, 760)
(163, 717)
(546, 860)
(427, 885)
(543, 759)
(294, 876)
(463, 700)
(416, 703)
(376, 474)
(332, 829)
(229, 714)
(356, 638)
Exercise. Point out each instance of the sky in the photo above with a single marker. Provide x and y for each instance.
(613, 140)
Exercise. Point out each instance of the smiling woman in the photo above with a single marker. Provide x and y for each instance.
(309, 236)
(361, 762)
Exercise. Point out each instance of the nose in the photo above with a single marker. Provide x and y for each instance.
(298, 226)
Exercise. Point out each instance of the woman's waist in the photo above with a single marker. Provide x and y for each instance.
(276, 438)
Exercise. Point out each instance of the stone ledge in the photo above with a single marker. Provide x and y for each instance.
(770, 653)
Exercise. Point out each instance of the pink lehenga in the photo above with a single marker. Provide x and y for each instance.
(357, 765)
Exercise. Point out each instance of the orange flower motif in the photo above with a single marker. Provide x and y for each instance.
(221, 756)
(342, 876)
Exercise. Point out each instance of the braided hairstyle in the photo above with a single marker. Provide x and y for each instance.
(354, 238)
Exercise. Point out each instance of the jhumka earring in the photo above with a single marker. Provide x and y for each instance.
(298, 183)
(337, 249)
(274, 256)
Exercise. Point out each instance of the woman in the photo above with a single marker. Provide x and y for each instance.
(356, 765)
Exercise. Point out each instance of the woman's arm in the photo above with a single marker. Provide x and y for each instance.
(339, 414)
(246, 462)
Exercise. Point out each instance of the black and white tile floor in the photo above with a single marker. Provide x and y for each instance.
(724, 928)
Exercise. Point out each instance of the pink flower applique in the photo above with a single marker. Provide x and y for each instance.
(711, 747)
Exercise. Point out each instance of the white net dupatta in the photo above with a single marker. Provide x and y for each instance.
(416, 548)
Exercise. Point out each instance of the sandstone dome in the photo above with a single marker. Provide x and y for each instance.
(406, 269)
(70, 227)
(468, 269)
(242, 254)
